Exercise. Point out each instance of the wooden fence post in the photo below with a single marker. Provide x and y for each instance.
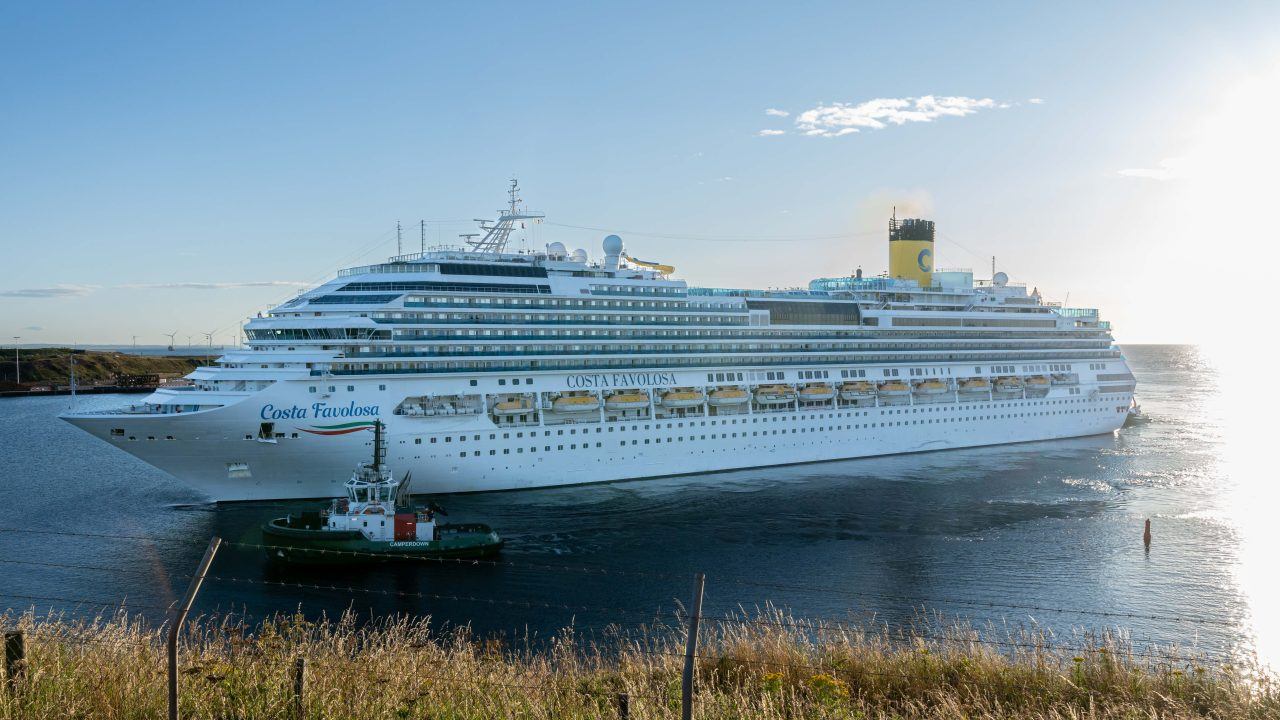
(299, 685)
(180, 616)
(624, 706)
(15, 659)
(691, 649)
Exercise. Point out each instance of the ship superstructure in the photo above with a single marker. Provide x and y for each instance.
(498, 370)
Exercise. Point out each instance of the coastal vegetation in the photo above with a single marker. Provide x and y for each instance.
(766, 666)
(52, 367)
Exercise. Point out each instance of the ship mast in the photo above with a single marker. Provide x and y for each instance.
(496, 233)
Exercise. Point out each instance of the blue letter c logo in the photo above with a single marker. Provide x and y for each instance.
(925, 260)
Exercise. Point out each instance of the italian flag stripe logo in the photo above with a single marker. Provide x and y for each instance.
(340, 428)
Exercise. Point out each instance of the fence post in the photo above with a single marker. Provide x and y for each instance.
(624, 706)
(180, 616)
(15, 662)
(691, 649)
(299, 685)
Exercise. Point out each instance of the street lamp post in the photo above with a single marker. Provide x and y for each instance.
(17, 367)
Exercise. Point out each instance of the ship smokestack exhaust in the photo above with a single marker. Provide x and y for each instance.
(911, 250)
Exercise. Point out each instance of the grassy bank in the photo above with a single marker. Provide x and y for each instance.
(52, 366)
(767, 668)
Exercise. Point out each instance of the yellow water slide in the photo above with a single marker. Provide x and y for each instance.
(662, 269)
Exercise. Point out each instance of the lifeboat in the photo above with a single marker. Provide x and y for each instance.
(626, 400)
(894, 388)
(817, 392)
(684, 398)
(775, 394)
(975, 386)
(575, 403)
(1064, 379)
(727, 396)
(1037, 382)
(857, 390)
(931, 387)
(513, 406)
(1009, 385)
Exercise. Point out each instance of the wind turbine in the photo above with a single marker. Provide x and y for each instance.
(209, 336)
(171, 336)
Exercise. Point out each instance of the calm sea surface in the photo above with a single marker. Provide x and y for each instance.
(965, 533)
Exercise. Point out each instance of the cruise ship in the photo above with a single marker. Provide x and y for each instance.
(501, 370)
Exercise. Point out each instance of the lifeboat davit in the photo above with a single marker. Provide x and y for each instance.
(575, 403)
(857, 390)
(727, 396)
(932, 387)
(775, 394)
(894, 388)
(683, 398)
(1009, 385)
(817, 392)
(626, 400)
(975, 386)
(513, 406)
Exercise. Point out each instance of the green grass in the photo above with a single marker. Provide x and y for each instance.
(52, 366)
(113, 667)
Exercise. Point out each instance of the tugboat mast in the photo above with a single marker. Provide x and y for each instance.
(377, 446)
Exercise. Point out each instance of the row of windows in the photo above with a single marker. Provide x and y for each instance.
(594, 362)
(499, 301)
(793, 431)
(551, 348)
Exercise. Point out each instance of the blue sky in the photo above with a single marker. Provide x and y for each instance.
(177, 167)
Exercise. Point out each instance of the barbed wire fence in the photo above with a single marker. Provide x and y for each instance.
(623, 623)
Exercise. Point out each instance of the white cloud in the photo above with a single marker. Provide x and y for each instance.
(1036, 101)
(838, 119)
(771, 133)
(775, 112)
(213, 286)
(1175, 168)
(57, 291)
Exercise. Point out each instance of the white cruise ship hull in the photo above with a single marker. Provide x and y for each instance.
(219, 451)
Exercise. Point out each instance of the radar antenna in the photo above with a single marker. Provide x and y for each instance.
(496, 233)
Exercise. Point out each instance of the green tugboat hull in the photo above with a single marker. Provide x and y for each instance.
(296, 541)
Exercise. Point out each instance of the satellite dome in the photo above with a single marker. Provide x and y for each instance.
(580, 255)
(612, 245)
(556, 250)
(1000, 279)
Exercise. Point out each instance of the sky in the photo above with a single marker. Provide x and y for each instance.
(176, 168)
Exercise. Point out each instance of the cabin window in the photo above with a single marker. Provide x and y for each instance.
(266, 431)
(117, 432)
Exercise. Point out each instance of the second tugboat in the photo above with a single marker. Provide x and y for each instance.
(375, 522)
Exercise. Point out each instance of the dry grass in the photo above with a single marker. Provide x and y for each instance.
(113, 667)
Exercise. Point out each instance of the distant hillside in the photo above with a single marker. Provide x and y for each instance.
(52, 366)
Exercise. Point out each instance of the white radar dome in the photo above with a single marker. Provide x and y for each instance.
(612, 245)
(556, 249)
(1000, 279)
(580, 255)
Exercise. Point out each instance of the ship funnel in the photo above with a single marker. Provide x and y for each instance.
(911, 250)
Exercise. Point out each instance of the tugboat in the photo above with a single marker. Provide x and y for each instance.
(375, 522)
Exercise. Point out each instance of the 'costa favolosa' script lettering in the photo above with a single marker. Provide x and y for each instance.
(614, 380)
(317, 411)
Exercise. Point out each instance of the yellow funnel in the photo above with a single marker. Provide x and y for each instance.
(911, 250)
